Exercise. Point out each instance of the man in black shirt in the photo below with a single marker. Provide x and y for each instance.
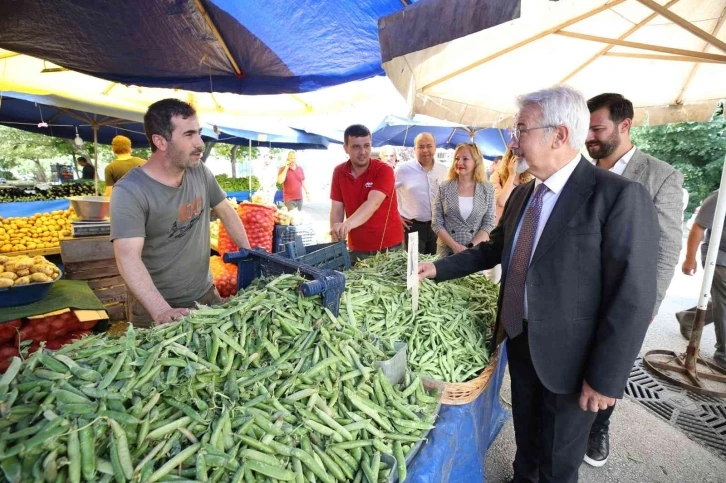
(89, 172)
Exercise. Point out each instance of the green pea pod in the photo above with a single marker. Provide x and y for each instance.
(74, 456)
(88, 452)
(11, 469)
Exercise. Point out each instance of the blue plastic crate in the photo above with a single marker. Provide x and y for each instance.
(333, 256)
(255, 263)
(288, 233)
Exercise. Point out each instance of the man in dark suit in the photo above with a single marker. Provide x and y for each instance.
(578, 248)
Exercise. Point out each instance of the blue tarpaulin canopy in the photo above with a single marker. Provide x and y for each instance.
(267, 133)
(250, 47)
(40, 114)
(399, 131)
(60, 117)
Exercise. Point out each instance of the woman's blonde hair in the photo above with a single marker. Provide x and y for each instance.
(480, 175)
(503, 169)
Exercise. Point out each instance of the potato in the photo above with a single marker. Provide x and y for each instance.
(22, 273)
(2, 268)
(4, 259)
(8, 275)
(10, 267)
(5, 283)
(22, 281)
(40, 277)
(45, 269)
(39, 260)
(23, 265)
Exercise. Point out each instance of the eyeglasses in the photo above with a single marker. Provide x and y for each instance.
(516, 132)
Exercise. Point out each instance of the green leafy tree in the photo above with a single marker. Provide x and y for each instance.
(697, 149)
(37, 149)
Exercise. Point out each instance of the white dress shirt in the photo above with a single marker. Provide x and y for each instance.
(416, 189)
(555, 184)
(619, 167)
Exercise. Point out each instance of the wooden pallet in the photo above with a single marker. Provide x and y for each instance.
(92, 259)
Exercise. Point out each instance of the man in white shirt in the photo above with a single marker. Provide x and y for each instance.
(417, 182)
(578, 284)
(608, 142)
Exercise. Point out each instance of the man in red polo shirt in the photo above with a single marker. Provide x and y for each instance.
(364, 209)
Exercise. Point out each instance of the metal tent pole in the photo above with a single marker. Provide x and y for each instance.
(95, 157)
(249, 169)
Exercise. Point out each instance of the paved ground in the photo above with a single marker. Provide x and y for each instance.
(644, 448)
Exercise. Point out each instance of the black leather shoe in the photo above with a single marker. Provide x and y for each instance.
(598, 448)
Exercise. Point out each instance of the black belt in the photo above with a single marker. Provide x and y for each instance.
(421, 222)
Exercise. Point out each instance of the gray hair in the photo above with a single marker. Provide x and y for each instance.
(561, 106)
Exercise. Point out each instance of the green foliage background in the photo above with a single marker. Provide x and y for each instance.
(697, 149)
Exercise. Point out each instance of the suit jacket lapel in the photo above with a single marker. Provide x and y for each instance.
(519, 202)
(636, 166)
(573, 196)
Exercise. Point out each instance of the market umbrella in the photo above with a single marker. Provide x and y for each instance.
(399, 131)
(670, 60)
(251, 47)
(42, 115)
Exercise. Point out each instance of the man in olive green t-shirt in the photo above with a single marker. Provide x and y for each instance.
(160, 220)
(124, 162)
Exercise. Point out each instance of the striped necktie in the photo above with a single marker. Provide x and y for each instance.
(513, 301)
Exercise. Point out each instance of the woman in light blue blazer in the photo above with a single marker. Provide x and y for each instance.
(464, 207)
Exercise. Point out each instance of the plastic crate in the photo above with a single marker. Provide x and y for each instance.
(255, 263)
(287, 233)
(332, 256)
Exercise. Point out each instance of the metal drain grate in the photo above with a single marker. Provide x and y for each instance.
(702, 418)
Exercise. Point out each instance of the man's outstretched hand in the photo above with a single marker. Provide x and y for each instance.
(426, 270)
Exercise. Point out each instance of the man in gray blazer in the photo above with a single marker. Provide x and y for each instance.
(578, 248)
(608, 142)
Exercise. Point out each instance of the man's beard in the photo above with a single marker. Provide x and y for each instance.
(607, 147)
(521, 165)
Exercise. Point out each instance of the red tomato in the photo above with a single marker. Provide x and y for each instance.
(27, 332)
(85, 326)
(55, 344)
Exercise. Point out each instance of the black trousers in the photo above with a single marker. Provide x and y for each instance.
(426, 237)
(550, 429)
(602, 421)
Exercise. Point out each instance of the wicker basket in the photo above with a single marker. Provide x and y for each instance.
(459, 393)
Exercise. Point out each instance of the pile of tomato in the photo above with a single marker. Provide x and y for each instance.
(224, 275)
(224, 242)
(259, 222)
(54, 330)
